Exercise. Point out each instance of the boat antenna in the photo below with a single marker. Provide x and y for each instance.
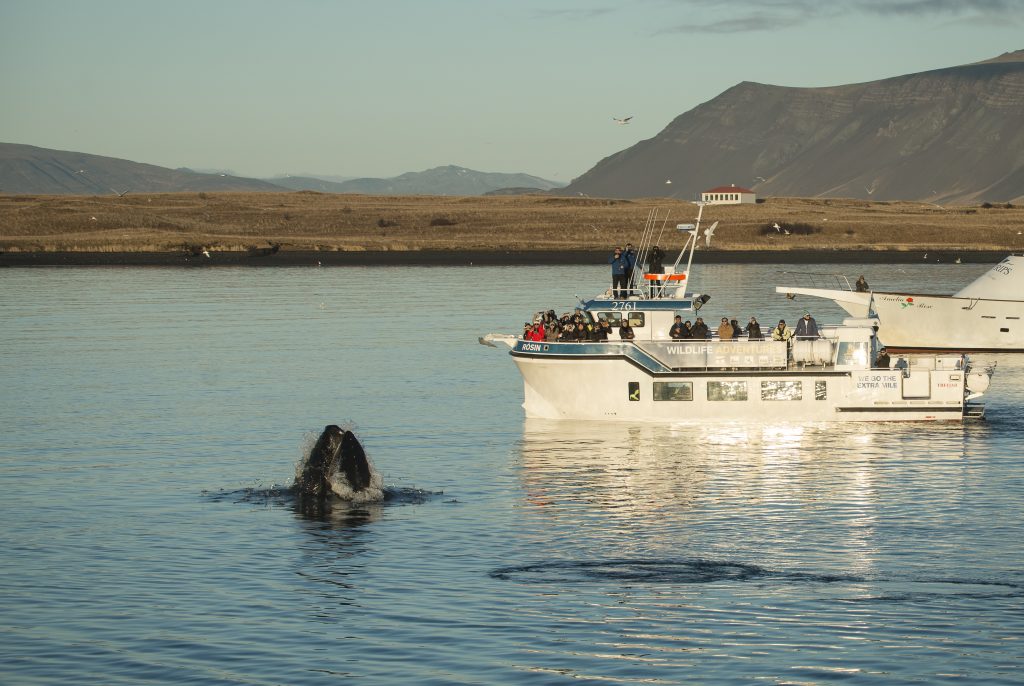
(696, 232)
(644, 248)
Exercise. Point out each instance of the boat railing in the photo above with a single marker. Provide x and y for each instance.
(819, 280)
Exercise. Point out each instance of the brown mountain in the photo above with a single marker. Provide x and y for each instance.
(951, 135)
(26, 169)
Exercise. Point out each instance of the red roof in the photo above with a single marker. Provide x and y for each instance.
(729, 189)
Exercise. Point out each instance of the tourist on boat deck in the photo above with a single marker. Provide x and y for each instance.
(581, 332)
(901, 364)
(568, 332)
(882, 361)
(600, 332)
(736, 328)
(807, 327)
(654, 266)
(626, 331)
(782, 332)
(687, 329)
(621, 270)
(677, 332)
(527, 327)
(536, 333)
(700, 329)
(725, 330)
(754, 330)
(552, 332)
(862, 284)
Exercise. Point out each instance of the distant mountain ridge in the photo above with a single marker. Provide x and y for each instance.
(951, 135)
(26, 169)
(447, 180)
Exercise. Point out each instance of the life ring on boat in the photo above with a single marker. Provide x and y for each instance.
(665, 277)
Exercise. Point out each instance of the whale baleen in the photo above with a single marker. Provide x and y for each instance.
(337, 457)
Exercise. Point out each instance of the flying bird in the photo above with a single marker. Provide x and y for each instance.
(708, 233)
(624, 120)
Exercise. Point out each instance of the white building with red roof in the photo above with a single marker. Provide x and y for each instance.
(728, 195)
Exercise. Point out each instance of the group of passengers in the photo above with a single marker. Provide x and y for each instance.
(577, 327)
(730, 329)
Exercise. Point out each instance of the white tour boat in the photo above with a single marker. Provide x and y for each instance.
(985, 316)
(655, 378)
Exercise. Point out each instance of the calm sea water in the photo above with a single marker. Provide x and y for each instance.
(152, 418)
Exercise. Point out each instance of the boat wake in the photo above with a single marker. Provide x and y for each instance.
(701, 571)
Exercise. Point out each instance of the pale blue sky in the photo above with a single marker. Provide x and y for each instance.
(381, 87)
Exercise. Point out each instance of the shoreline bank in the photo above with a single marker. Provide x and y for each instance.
(448, 258)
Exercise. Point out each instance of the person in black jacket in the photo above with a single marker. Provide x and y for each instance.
(700, 329)
(882, 361)
(677, 332)
(754, 330)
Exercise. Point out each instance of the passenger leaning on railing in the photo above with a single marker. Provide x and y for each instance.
(725, 330)
(807, 327)
(754, 330)
(782, 332)
(626, 331)
(677, 332)
(700, 329)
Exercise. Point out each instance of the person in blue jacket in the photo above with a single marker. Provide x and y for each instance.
(621, 269)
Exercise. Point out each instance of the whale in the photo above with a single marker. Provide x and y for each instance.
(336, 458)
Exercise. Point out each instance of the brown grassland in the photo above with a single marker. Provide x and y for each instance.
(310, 221)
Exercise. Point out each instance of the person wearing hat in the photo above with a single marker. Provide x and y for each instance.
(782, 332)
(882, 361)
(807, 327)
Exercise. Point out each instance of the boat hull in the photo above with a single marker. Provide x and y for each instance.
(559, 383)
(928, 322)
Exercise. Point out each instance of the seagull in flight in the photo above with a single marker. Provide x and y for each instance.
(708, 233)
(624, 120)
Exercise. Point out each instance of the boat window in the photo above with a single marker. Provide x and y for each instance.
(634, 391)
(782, 390)
(820, 390)
(727, 390)
(673, 390)
(853, 353)
(615, 318)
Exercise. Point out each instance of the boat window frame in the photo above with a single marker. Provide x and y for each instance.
(666, 388)
(778, 385)
(637, 320)
(731, 396)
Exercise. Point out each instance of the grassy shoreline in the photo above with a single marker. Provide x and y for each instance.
(344, 229)
(300, 258)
